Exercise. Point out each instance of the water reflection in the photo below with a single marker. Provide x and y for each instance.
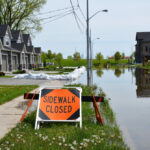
(142, 82)
(99, 72)
(117, 72)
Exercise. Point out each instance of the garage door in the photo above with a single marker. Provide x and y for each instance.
(14, 62)
(4, 62)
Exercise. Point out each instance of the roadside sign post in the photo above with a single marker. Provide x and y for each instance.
(59, 105)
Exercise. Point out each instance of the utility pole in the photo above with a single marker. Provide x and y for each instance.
(87, 36)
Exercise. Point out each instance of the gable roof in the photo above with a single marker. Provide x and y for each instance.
(144, 36)
(26, 37)
(30, 49)
(38, 50)
(15, 34)
(3, 29)
(18, 46)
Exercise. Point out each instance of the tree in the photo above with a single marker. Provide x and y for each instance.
(122, 55)
(44, 57)
(99, 57)
(76, 56)
(21, 14)
(59, 58)
(117, 56)
(69, 57)
(49, 55)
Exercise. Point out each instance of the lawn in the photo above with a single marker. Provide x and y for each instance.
(6, 76)
(66, 136)
(9, 92)
(83, 62)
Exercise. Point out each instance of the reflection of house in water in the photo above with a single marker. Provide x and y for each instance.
(142, 47)
(142, 82)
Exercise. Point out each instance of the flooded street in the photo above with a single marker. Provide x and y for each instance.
(129, 91)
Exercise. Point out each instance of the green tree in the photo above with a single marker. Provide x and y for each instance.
(117, 56)
(69, 57)
(43, 58)
(21, 14)
(122, 55)
(99, 57)
(76, 56)
(59, 58)
(50, 55)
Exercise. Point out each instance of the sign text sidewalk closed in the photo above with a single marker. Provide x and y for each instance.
(59, 105)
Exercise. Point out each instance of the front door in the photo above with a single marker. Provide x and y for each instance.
(4, 62)
(14, 62)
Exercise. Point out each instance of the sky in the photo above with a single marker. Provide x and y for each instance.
(116, 29)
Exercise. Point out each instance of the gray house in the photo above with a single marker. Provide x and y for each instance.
(142, 47)
(17, 51)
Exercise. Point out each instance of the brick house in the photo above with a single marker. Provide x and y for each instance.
(17, 51)
(142, 53)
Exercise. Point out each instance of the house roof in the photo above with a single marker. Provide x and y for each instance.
(3, 29)
(15, 34)
(26, 38)
(18, 46)
(30, 49)
(144, 36)
(38, 50)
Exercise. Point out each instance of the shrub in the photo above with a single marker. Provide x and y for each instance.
(2, 74)
(148, 63)
(19, 72)
(50, 68)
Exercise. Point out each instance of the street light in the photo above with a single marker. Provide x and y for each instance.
(105, 10)
(88, 37)
(91, 51)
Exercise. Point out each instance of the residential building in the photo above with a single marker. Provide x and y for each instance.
(142, 47)
(17, 51)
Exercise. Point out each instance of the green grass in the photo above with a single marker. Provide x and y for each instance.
(6, 76)
(141, 66)
(83, 62)
(8, 92)
(66, 136)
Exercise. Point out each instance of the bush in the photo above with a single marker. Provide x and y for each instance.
(2, 74)
(50, 68)
(148, 63)
(19, 72)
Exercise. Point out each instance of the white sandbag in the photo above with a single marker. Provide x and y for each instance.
(42, 76)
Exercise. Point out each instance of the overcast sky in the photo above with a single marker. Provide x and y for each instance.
(116, 29)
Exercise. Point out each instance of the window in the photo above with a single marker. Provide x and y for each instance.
(19, 40)
(7, 41)
(28, 44)
(146, 48)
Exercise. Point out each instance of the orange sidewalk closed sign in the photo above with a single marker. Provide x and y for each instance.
(59, 105)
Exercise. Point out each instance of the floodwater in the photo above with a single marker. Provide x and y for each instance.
(129, 90)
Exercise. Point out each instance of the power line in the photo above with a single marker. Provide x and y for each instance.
(80, 20)
(81, 11)
(58, 18)
(53, 11)
(57, 15)
(76, 19)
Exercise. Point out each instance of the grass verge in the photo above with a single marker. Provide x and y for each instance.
(66, 136)
(9, 92)
(6, 76)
